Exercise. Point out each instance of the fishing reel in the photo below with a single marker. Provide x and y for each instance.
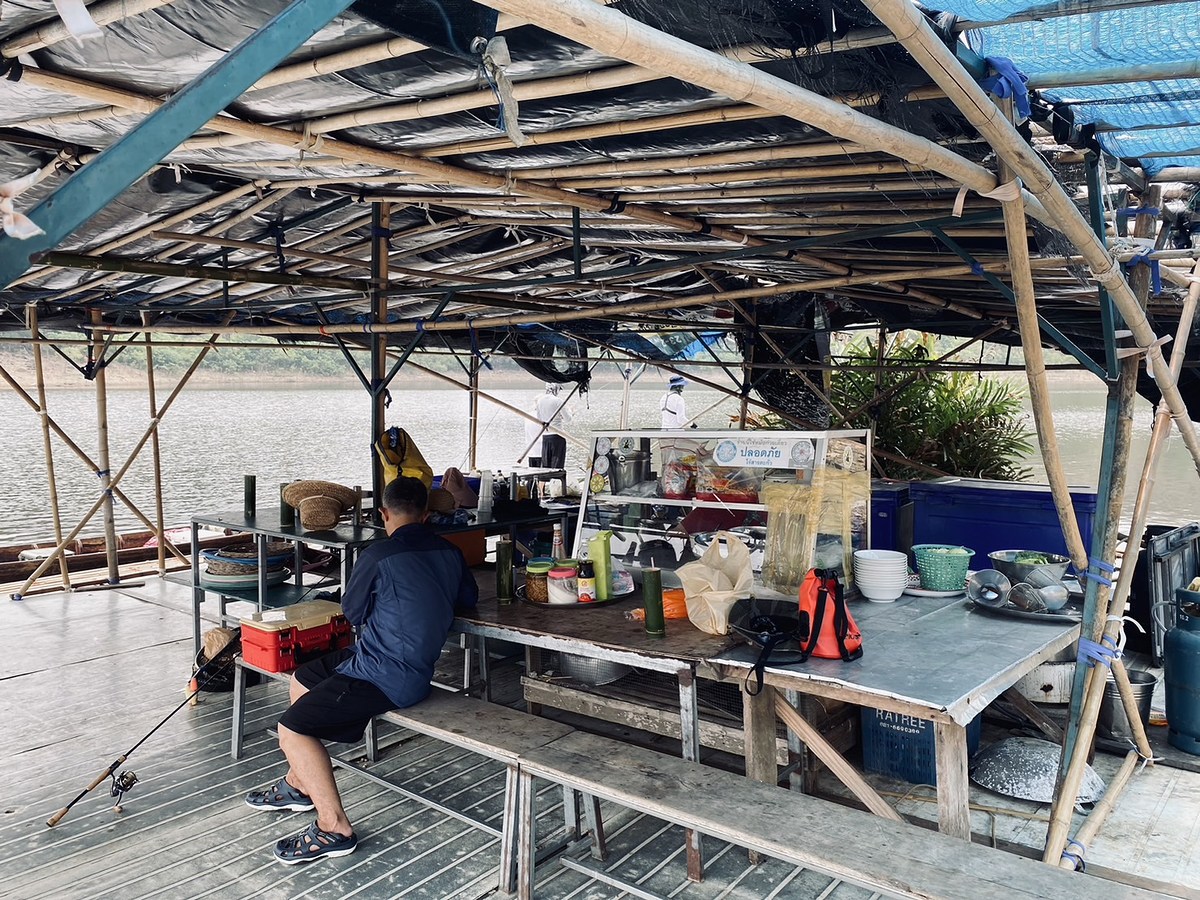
(122, 783)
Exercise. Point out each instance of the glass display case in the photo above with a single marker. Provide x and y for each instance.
(797, 499)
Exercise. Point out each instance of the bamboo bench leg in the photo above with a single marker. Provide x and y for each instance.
(591, 812)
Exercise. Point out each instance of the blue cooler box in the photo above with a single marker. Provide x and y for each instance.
(994, 515)
(901, 746)
(891, 516)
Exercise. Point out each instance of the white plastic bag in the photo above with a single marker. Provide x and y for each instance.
(714, 582)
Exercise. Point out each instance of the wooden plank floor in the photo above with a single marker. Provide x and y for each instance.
(84, 676)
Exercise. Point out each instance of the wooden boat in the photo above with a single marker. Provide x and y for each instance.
(19, 561)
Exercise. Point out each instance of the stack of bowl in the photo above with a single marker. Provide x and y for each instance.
(880, 575)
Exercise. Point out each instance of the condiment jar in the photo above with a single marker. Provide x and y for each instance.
(562, 586)
(536, 590)
(586, 582)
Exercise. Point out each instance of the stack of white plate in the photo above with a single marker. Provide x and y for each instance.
(880, 575)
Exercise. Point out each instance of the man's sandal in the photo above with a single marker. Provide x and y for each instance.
(280, 795)
(313, 843)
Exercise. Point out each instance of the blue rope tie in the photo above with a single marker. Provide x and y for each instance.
(475, 345)
(1103, 567)
(100, 473)
(1077, 857)
(1105, 652)
(1008, 81)
(977, 269)
(1143, 259)
(1138, 211)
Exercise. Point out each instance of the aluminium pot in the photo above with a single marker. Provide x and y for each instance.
(627, 468)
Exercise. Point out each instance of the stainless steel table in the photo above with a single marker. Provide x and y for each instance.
(935, 659)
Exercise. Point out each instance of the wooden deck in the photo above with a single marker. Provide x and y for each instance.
(87, 675)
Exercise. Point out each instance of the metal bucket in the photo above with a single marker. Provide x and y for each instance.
(627, 468)
(1113, 721)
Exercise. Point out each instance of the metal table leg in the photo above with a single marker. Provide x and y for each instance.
(197, 591)
(239, 710)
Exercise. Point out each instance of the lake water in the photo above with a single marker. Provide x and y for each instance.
(211, 437)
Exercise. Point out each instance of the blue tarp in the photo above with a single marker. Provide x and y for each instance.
(1133, 118)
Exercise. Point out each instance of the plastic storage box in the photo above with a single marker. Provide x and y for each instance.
(891, 516)
(902, 746)
(994, 515)
(278, 640)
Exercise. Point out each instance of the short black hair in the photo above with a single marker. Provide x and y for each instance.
(406, 496)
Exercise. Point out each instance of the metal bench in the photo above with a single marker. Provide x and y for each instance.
(894, 858)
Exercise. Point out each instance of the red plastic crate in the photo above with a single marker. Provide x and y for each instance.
(279, 640)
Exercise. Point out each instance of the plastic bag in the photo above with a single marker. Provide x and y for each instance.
(398, 454)
(713, 583)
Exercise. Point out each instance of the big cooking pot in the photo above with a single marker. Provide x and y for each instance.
(627, 468)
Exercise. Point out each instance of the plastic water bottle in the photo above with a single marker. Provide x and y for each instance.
(485, 492)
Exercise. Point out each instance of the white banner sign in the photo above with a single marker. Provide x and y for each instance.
(764, 453)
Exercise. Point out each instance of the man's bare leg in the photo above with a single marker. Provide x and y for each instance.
(312, 772)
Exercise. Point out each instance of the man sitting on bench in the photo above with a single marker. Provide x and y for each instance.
(401, 596)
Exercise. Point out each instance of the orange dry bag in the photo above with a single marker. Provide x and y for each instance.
(833, 633)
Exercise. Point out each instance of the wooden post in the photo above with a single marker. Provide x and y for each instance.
(102, 458)
(47, 449)
(155, 452)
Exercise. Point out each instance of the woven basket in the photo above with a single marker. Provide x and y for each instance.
(242, 559)
(942, 571)
(321, 503)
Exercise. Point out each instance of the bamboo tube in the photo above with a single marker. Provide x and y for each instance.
(914, 33)
(729, 176)
(31, 318)
(1095, 821)
(6, 376)
(55, 30)
(155, 450)
(1035, 368)
(264, 249)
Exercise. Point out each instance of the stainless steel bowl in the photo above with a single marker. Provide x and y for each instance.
(591, 671)
(1003, 561)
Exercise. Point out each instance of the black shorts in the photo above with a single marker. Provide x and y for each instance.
(336, 707)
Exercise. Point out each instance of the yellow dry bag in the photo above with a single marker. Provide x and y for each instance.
(398, 454)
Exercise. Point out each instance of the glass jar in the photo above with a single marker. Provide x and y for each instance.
(562, 586)
(536, 590)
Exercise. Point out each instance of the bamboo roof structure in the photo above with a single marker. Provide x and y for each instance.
(774, 169)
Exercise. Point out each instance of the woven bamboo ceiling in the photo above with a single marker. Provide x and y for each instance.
(526, 185)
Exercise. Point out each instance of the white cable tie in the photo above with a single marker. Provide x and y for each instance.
(1006, 193)
(959, 199)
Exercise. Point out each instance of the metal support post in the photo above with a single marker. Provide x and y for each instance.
(381, 220)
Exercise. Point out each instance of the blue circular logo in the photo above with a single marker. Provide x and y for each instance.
(726, 452)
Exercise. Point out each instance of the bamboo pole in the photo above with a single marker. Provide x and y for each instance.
(155, 450)
(108, 483)
(31, 318)
(55, 30)
(1100, 812)
(96, 356)
(1035, 368)
(6, 376)
(1094, 689)
(913, 31)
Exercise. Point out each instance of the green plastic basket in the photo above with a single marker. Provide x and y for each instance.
(942, 571)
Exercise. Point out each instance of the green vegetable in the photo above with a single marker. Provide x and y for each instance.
(951, 551)
(1030, 558)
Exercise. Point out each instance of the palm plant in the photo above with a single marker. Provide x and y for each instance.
(956, 422)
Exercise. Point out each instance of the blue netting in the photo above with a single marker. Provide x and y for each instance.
(1133, 118)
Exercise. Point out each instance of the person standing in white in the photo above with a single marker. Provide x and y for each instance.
(554, 414)
(674, 410)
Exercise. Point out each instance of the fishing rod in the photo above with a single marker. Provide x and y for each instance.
(126, 780)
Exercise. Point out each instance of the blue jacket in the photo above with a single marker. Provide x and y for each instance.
(402, 595)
